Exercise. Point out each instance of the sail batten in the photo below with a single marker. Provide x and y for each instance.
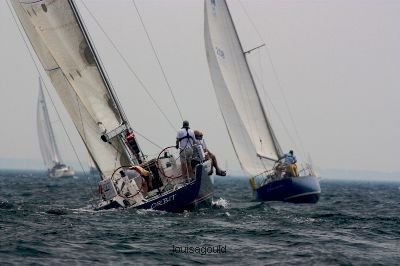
(241, 107)
(56, 34)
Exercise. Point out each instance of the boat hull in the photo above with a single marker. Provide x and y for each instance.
(196, 194)
(61, 172)
(302, 189)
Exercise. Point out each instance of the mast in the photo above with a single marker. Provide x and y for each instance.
(98, 63)
(125, 126)
(275, 141)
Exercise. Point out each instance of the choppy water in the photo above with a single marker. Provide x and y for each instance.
(46, 222)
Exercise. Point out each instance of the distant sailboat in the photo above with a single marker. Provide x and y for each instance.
(250, 131)
(47, 141)
(92, 168)
(60, 39)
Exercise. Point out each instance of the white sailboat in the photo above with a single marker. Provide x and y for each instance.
(47, 141)
(92, 168)
(128, 179)
(250, 131)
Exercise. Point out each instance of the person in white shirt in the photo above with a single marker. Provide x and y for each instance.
(184, 140)
(199, 140)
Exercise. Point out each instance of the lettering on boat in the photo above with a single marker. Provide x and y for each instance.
(163, 201)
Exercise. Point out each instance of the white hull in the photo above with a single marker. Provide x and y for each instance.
(61, 172)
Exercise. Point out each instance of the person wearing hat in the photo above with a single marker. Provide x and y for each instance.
(184, 140)
(199, 140)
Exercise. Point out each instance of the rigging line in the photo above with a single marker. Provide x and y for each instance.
(264, 165)
(87, 176)
(138, 133)
(285, 100)
(273, 107)
(158, 60)
(47, 90)
(152, 142)
(276, 76)
(129, 66)
(275, 142)
(252, 22)
(262, 84)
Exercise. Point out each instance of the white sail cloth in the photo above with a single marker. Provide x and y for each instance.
(251, 134)
(53, 30)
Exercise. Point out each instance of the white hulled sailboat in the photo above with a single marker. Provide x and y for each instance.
(47, 141)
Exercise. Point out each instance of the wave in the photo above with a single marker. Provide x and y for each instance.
(220, 203)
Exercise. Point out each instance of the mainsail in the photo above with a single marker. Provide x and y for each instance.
(59, 38)
(47, 140)
(249, 129)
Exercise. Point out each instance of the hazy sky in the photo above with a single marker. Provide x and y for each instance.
(337, 63)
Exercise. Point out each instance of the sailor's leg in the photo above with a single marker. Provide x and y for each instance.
(183, 164)
(295, 170)
(215, 165)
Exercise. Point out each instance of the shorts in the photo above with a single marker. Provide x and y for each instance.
(186, 155)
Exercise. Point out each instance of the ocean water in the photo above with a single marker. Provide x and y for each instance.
(50, 222)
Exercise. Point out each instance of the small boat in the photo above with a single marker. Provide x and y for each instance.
(129, 179)
(92, 168)
(47, 141)
(250, 131)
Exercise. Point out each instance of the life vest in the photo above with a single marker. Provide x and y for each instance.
(130, 136)
(187, 135)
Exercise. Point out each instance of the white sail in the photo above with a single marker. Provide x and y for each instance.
(47, 140)
(251, 134)
(58, 37)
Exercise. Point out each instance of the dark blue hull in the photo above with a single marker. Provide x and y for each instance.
(302, 189)
(198, 193)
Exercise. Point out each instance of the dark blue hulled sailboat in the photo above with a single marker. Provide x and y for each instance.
(128, 179)
(301, 189)
(250, 131)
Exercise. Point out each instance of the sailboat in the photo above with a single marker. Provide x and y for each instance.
(47, 141)
(249, 129)
(92, 168)
(129, 179)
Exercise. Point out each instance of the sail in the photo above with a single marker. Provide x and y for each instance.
(249, 129)
(60, 41)
(47, 141)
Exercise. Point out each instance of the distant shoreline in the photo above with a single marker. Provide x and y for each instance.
(35, 165)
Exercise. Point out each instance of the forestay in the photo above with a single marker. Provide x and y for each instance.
(47, 140)
(251, 134)
(60, 41)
